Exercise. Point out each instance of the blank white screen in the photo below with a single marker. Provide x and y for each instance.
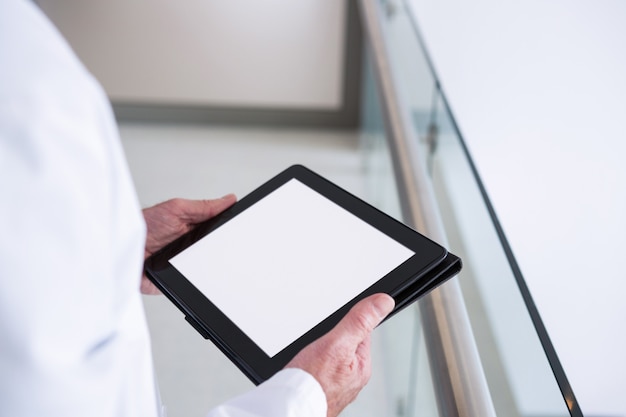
(285, 264)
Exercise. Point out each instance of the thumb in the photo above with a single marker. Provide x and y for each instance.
(363, 318)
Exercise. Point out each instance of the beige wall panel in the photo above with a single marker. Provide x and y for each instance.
(269, 54)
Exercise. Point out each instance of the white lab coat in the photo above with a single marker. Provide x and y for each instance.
(73, 336)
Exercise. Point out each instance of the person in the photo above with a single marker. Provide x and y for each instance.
(74, 337)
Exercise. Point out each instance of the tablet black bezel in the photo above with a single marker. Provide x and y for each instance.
(212, 323)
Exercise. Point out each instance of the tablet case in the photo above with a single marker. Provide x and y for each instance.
(446, 269)
(449, 266)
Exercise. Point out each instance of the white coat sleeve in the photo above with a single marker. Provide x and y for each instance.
(289, 393)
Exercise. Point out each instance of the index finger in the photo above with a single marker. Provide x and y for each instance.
(197, 211)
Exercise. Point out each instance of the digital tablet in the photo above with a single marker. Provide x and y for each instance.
(283, 265)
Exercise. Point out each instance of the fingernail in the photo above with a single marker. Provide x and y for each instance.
(383, 305)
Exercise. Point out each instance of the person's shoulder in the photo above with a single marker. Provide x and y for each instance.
(35, 56)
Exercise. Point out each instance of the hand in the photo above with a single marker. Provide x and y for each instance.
(173, 218)
(340, 360)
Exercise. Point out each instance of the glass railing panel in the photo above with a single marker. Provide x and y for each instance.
(518, 372)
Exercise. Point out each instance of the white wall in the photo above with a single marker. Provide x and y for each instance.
(539, 91)
(274, 53)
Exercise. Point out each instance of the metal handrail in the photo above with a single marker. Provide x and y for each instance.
(459, 382)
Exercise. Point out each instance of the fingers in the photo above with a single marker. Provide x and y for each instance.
(197, 211)
(148, 288)
(364, 317)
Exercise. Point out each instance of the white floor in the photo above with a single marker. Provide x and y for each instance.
(207, 162)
